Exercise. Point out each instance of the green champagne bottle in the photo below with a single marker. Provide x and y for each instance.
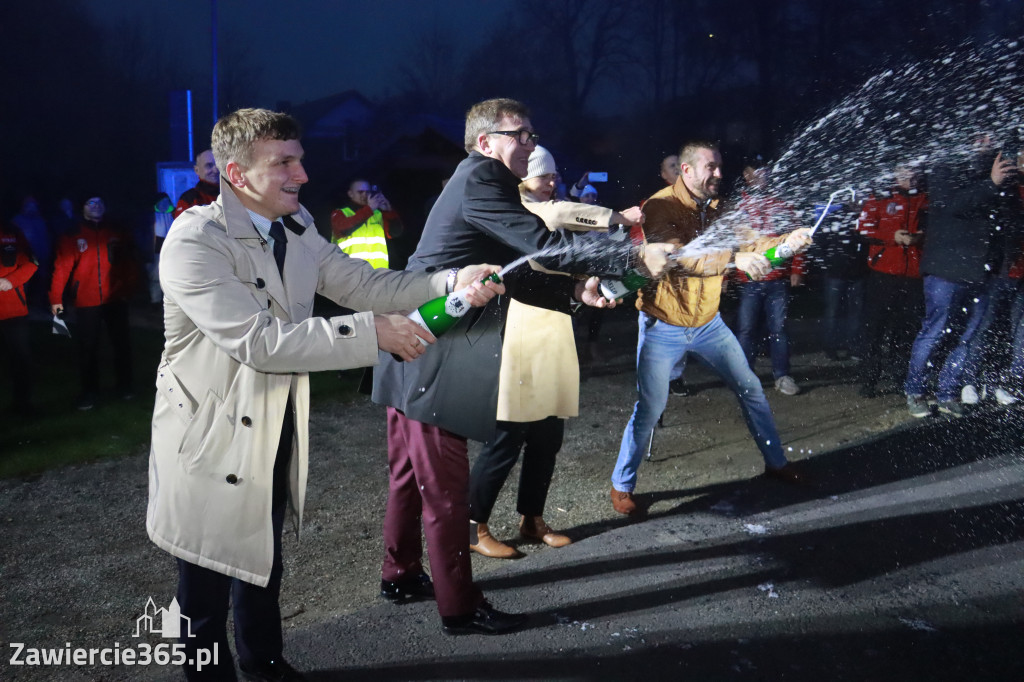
(442, 313)
(777, 255)
(614, 289)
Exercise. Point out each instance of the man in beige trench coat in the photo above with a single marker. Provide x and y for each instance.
(230, 425)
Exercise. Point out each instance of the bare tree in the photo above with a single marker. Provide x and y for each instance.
(592, 38)
(429, 64)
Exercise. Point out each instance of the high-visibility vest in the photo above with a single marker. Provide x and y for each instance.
(367, 241)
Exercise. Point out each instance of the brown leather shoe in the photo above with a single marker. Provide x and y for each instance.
(487, 545)
(534, 529)
(623, 502)
(788, 474)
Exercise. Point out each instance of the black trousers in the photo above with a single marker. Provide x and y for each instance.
(16, 347)
(204, 594)
(114, 316)
(893, 308)
(540, 442)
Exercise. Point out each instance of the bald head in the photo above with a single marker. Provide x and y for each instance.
(206, 168)
(359, 192)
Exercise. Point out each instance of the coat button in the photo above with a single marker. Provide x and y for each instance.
(345, 330)
(231, 478)
(260, 283)
(246, 421)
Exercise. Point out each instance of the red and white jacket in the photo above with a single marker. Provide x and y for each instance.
(880, 218)
(202, 194)
(96, 258)
(16, 266)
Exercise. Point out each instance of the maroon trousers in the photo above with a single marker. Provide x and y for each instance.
(429, 478)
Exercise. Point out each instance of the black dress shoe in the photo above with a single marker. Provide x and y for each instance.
(411, 587)
(271, 671)
(485, 620)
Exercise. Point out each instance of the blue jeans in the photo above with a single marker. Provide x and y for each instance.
(1004, 298)
(941, 298)
(770, 297)
(844, 296)
(660, 347)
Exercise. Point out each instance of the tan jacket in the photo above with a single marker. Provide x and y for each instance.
(238, 342)
(540, 373)
(689, 295)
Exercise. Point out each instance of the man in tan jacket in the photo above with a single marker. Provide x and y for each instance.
(230, 424)
(679, 315)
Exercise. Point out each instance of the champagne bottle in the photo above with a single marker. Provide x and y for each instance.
(777, 255)
(631, 280)
(614, 289)
(442, 313)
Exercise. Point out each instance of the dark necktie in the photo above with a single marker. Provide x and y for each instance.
(280, 244)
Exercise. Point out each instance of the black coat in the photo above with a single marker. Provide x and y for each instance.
(962, 206)
(479, 218)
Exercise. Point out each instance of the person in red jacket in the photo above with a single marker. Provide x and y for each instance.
(206, 190)
(17, 266)
(767, 298)
(95, 263)
(893, 225)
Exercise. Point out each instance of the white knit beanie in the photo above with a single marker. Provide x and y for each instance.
(541, 163)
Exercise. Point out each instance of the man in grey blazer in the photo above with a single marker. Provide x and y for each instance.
(436, 404)
(230, 426)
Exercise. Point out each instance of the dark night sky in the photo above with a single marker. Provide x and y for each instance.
(305, 49)
(612, 96)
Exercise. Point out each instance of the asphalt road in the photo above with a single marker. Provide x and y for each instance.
(904, 562)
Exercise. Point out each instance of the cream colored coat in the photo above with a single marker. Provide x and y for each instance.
(238, 341)
(540, 374)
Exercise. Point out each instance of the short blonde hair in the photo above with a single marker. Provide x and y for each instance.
(235, 134)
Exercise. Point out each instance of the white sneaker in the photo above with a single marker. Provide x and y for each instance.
(1004, 397)
(969, 395)
(786, 385)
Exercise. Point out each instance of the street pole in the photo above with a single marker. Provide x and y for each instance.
(213, 51)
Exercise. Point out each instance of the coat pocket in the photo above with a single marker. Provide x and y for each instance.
(208, 434)
(168, 386)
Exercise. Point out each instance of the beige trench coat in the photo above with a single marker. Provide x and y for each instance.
(540, 373)
(238, 342)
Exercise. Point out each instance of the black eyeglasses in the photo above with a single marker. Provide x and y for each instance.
(523, 136)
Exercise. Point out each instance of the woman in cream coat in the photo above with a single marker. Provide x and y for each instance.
(539, 382)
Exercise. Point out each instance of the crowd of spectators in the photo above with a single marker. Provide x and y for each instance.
(918, 282)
